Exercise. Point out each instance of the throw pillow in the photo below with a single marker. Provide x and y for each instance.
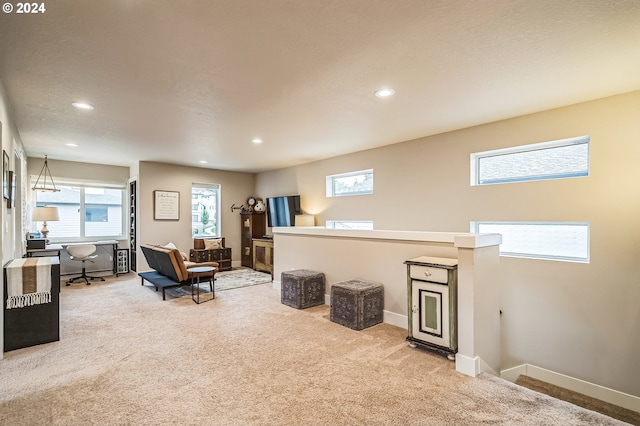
(212, 244)
(170, 246)
(184, 256)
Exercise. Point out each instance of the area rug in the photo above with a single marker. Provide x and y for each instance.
(237, 278)
(226, 280)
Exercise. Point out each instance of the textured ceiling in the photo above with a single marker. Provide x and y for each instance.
(183, 81)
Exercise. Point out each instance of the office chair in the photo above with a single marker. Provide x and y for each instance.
(82, 253)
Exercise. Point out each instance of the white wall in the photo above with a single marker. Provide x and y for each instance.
(10, 235)
(576, 319)
(381, 259)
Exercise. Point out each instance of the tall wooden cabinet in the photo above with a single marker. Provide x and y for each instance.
(253, 226)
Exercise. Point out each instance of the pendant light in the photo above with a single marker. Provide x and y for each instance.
(43, 175)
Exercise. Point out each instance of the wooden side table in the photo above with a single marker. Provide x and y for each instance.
(196, 273)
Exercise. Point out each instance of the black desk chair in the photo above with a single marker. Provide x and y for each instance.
(82, 253)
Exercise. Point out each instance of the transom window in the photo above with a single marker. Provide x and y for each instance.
(540, 240)
(560, 159)
(352, 183)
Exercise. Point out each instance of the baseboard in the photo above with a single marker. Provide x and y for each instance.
(277, 285)
(468, 366)
(602, 393)
(392, 318)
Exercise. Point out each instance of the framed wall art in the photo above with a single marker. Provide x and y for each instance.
(11, 201)
(5, 175)
(166, 205)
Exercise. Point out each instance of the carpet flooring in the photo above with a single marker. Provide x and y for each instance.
(126, 357)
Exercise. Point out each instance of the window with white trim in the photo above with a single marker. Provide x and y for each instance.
(87, 210)
(352, 183)
(205, 211)
(568, 241)
(566, 158)
(349, 224)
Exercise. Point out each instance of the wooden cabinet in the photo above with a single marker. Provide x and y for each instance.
(221, 255)
(253, 226)
(432, 295)
(263, 255)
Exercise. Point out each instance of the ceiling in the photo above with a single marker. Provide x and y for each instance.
(183, 81)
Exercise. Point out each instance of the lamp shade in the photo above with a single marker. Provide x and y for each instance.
(43, 214)
(305, 220)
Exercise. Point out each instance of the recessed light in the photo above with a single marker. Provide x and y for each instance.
(82, 105)
(71, 144)
(385, 93)
(256, 140)
(202, 161)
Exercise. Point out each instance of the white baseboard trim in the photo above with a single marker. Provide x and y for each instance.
(602, 393)
(277, 285)
(468, 366)
(392, 318)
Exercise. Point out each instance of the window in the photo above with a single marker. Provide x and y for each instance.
(96, 213)
(354, 183)
(540, 240)
(548, 160)
(205, 217)
(86, 211)
(349, 224)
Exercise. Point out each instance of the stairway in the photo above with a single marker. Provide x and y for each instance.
(619, 413)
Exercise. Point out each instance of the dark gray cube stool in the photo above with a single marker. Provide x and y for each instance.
(357, 304)
(302, 288)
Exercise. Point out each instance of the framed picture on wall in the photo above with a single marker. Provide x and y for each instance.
(166, 205)
(5, 175)
(11, 201)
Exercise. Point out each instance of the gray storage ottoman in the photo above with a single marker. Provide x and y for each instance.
(302, 288)
(357, 304)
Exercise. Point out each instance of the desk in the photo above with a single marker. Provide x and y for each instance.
(107, 251)
(48, 250)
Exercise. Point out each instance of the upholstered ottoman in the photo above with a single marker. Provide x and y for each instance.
(357, 304)
(302, 288)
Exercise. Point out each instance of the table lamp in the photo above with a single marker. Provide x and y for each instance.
(44, 214)
(305, 220)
